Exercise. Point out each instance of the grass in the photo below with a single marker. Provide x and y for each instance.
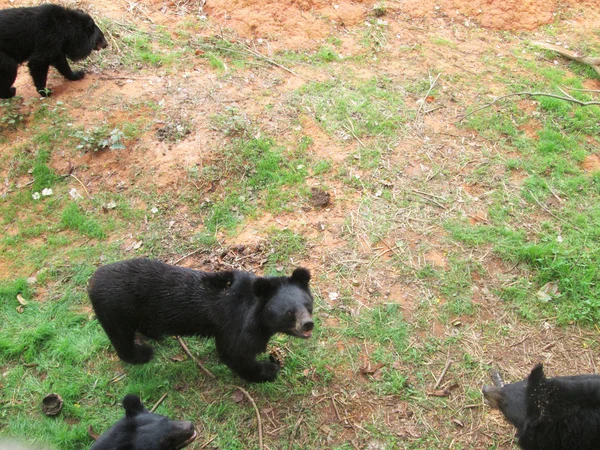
(437, 248)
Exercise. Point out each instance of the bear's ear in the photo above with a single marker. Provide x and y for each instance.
(263, 288)
(301, 276)
(133, 405)
(536, 392)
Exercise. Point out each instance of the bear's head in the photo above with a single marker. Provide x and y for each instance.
(286, 303)
(142, 430)
(82, 36)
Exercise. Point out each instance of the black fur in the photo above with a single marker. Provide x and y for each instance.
(143, 430)
(44, 36)
(240, 310)
(561, 413)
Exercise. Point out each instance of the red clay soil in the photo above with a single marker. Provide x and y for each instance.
(294, 22)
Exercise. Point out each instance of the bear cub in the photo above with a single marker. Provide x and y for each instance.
(142, 430)
(240, 310)
(44, 36)
(561, 413)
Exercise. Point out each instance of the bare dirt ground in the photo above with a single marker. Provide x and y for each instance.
(413, 25)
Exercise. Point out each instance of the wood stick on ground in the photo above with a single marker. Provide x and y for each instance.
(270, 61)
(198, 363)
(209, 441)
(439, 381)
(567, 98)
(249, 397)
(160, 400)
(296, 426)
(594, 63)
(82, 185)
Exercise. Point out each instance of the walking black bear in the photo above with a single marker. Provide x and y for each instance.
(44, 36)
(242, 311)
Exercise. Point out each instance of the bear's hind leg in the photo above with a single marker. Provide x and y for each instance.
(8, 75)
(39, 72)
(128, 350)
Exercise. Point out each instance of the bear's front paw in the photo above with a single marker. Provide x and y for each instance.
(268, 371)
(77, 75)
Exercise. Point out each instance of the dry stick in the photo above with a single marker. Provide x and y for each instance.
(82, 185)
(531, 94)
(198, 363)
(160, 400)
(439, 381)
(560, 219)
(269, 60)
(260, 435)
(298, 422)
(209, 441)
(594, 63)
(187, 256)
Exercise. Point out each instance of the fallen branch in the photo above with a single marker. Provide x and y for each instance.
(82, 185)
(198, 363)
(298, 422)
(567, 98)
(160, 400)
(446, 367)
(249, 397)
(594, 63)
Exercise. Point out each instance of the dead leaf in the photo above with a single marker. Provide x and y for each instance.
(20, 309)
(548, 292)
(238, 396)
(21, 300)
(92, 433)
(371, 370)
(439, 393)
(178, 358)
(429, 98)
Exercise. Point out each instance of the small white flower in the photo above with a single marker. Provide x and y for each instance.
(36, 195)
(47, 191)
(559, 238)
(154, 210)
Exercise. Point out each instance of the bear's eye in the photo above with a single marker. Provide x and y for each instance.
(290, 312)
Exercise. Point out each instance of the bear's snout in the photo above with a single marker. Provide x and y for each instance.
(307, 325)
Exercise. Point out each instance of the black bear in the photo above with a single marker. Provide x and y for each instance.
(561, 413)
(242, 311)
(142, 430)
(44, 36)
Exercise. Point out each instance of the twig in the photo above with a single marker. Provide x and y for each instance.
(530, 94)
(187, 256)
(521, 341)
(260, 435)
(439, 381)
(270, 61)
(198, 363)
(160, 400)
(209, 441)
(594, 63)
(298, 422)
(82, 185)
(560, 219)
(337, 412)
(108, 77)
(431, 86)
